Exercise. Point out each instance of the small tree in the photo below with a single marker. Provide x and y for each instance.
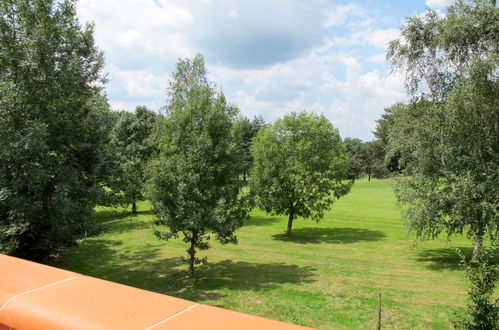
(244, 132)
(372, 157)
(133, 147)
(482, 311)
(382, 133)
(299, 165)
(195, 185)
(353, 148)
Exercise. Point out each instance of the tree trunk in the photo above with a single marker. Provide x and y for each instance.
(134, 207)
(192, 256)
(477, 250)
(290, 222)
(369, 176)
(378, 326)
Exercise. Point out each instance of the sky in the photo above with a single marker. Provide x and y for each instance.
(269, 57)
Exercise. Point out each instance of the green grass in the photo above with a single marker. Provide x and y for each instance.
(328, 275)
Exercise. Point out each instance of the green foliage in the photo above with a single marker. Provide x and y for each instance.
(299, 165)
(382, 133)
(365, 158)
(449, 139)
(482, 311)
(372, 156)
(51, 151)
(133, 146)
(436, 50)
(244, 131)
(195, 186)
(353, 149)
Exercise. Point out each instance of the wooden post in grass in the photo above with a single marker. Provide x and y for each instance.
(378, 327)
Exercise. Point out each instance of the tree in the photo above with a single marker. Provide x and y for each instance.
(244, 132)
(133, 147)
(353, 148)
(50, 136)
(195, 185)
(382, 134)
(482, 311)
(372, 157)
(435, 51)
(449, 136)
(299, 165)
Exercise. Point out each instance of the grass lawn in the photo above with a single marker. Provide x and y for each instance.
(327, 276)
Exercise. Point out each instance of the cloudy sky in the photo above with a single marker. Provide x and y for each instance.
(269, 57)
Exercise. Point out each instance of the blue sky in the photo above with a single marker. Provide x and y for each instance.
(269, 57)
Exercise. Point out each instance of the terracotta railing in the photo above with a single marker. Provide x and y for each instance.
(35, 296)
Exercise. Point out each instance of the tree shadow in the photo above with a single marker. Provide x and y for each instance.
(331, 235)
(111, 214)
(117, 221)
(147, 270)
(260, 221)
(448, 258)
(144, 212)
(121, 226)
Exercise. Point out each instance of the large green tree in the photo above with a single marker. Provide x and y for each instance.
(50, 135)
(449, 136)
(299, 167)
(195, 185)
(133, 146)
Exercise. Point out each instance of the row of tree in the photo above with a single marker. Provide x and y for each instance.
(198, 183)
(63, 151)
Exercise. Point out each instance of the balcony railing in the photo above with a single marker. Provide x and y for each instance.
(35, 296)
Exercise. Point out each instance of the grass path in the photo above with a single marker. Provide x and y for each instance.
(328, 275)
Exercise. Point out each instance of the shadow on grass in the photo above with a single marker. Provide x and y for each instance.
(447, 258)
(110, 214)
(121, 226)
(331, 235)
(260, 221)
(147, 270)
(117, 221)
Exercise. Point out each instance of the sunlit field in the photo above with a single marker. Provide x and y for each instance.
(328, 275)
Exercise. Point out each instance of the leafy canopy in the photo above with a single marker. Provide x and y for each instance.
(195, 186)
(299, 164)
(133, 146)
(449, 139)
(51, 148)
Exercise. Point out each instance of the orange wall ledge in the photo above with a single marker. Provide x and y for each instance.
(35, 296)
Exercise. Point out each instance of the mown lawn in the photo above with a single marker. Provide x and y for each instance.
(327, 276)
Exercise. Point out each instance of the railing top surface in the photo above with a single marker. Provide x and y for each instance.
(35, 296)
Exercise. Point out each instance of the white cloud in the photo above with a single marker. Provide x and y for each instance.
(378, 58)
(352, 101)
(136, 29)
(340, 14)
(233, 14)
(381, 37)
(269, 58)
(438, 3)
(141, 83)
